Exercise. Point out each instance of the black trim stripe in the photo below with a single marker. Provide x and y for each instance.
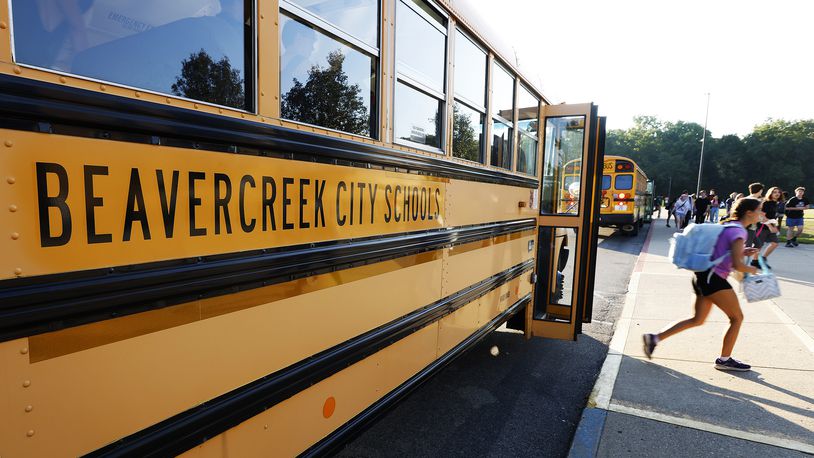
(359, 423)
(191, 428)
(47, 303)
(27, 104)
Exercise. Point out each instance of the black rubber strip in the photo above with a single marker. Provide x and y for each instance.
(191, 428)
(36, 305)
(27, 104)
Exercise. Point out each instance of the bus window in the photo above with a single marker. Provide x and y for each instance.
(311, 63)
(470, 99)
(195, 49)
(502, 117)
(528, 111)
(606, 182)
(564, 142)
(624, 182)
(420, 70)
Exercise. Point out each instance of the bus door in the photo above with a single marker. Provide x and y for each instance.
(567, 234)
(649, 201)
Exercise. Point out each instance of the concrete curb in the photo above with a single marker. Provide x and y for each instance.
(585, 443)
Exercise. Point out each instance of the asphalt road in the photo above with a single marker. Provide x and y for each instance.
(526, 401)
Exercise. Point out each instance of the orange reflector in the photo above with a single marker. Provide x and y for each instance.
(329, 407)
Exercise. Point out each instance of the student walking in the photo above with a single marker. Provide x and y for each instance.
(794, 216)
(781, 209)
(701, 207)
(714, 206)
(682, 209)
(711, 286)
(729, 202)
(755, 191)
(767, 230)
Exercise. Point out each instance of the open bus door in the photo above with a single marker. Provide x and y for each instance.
(649, 201)
(568, 221)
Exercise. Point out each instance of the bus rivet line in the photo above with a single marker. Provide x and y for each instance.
(103, 87)
(8, 143)
(26, 383)
(3, 25)
(30, 433)
(63, 80)
(15, 235)
(138, 94)
(18, 271)
(29, 408)
(11, 180)
(17, 70)
(24, 350)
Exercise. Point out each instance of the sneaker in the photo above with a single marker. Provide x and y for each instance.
(795, 242)
(755, 263)
(766, 263)
(668, 224)
(649, 344)
(731, 364)
(789, 244)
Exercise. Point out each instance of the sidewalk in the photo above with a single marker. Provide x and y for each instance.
(677, 404)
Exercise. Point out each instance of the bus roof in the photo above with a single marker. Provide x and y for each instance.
(479, 28)
(624, 158)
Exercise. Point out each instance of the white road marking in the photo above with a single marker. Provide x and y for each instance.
(702, 426)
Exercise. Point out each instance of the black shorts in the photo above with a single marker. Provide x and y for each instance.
(703, 287)
(752, 240)
(767, 236)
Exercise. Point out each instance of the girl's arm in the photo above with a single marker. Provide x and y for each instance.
(737, 253)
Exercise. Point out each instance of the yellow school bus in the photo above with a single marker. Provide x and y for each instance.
(626, 201)
(248, 228)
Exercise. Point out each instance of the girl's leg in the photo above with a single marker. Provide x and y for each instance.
(771, 247)
(727, 301)
(702, 307)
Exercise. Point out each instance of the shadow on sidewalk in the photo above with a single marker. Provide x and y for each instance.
(652, 387)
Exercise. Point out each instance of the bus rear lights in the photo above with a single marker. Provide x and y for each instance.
(622, 195)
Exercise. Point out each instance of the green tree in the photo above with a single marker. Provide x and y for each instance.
(327, 99)
(204, 79)
(465, 140)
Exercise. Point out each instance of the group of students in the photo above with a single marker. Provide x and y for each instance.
(703, 207)
(755, 222)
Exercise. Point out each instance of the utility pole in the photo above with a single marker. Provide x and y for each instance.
(703, 141)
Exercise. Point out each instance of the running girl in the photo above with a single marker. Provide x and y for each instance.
(715, 289)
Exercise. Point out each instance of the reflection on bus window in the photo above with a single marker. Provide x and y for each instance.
(624, 182)
(419, 116)
(467, 133)
(195, 48)
(501, 145)
(564, 140)
(359, 18)
(323, 81)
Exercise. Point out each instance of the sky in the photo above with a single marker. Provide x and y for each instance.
(661, 57)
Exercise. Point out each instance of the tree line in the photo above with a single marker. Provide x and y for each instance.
(776, 153)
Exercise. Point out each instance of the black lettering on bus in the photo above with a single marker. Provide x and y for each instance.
(372, 189)
(319, 210)
(341, 185)
(396, 215)
(268, 203)
(223, 202)
(45, 202)
(194, 202)
(415, 203)
(247, 227)
(361, 200)
(437, 202)
(424, 203)
(303, 202)
(387, 190)
(286, 202)
(406, 203)
(168, 208)
(91, 202)
(135, 197)
(352, 187)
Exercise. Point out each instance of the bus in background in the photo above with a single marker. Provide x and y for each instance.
(624, 195)
(270, 220)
